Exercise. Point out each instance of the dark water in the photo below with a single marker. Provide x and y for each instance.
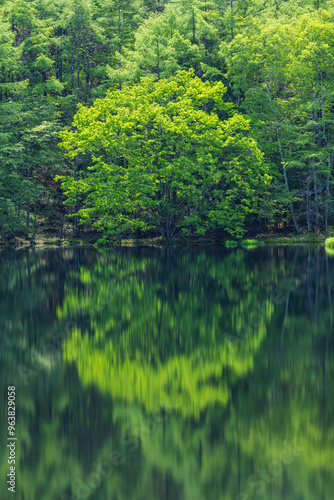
(181, 374)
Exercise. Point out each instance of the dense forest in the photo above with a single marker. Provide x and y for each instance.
(166, 118)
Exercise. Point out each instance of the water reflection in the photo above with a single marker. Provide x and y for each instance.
(174, 374)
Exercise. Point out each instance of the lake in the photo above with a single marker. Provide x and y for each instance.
(168, 374)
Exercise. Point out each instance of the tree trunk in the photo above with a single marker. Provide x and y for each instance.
(76, 207)
(158, 59)
(315, 181)
(79, 67)
(59, 70)
(119, 41)
(72, 74)
(281, 153)
(35, 213)
(316, 198)
(232, 35)
(194, 38)
(28, 218)
(327, 191)
(28, 209)
(328, 144)
(205, 35)
(309, 227)
(194, 28)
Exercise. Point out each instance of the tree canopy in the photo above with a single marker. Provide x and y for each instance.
(169, 155)
(273, 58)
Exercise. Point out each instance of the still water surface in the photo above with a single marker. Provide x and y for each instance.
(176, 374)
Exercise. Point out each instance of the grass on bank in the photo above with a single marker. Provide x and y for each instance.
(295, 240)
(309, 239)
(52, 237)
(329, 251)
(231, 244)
(329, 243)
(251, 243)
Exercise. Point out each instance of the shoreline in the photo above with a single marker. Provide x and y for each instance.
(52, 242)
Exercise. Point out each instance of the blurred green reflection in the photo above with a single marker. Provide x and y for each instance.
(209, 371)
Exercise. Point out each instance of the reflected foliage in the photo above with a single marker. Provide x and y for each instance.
(164, 327)
(201, 367)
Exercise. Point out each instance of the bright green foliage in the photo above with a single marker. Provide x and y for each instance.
(282, 72)
(251, 243)
(190, 340)
(231, 244)
(329, 243)
(164, 159)
(275, 58)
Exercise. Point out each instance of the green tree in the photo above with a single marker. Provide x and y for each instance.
(28, 118)
(184, 35)
(281, 72)
(170, 156)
